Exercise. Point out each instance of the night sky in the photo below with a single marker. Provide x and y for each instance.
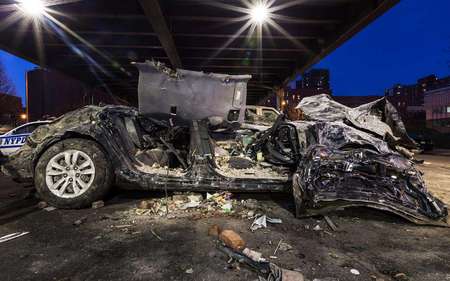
(410, 41)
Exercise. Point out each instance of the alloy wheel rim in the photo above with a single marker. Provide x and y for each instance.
(70, 173)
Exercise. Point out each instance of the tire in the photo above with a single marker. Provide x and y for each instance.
(86, 179)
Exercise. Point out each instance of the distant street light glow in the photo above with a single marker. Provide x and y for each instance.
(259, 13)
(33, 8)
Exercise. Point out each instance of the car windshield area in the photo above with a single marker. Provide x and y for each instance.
(27, 129)
(269, 115)
(266, 116)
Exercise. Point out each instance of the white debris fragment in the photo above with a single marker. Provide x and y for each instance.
(12, 236)
(317, 228)
(227, 207)
(254, 255)
(354, 271)
(259, 222)
(189, 271)
(50, 208)
(273, 220)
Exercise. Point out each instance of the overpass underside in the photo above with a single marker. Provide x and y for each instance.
(97, 40)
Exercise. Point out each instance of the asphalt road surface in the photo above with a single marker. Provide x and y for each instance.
(116, 243)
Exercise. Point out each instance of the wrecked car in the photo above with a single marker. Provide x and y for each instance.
(338, 157)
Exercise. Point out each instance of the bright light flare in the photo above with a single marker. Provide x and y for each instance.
(32, 8)
(259, 13)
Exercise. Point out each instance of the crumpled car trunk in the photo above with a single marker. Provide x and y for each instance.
(328, 179)
(379, 118)
(356, 157)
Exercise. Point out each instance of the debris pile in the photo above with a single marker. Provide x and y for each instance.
(233, 160)
(216, 204)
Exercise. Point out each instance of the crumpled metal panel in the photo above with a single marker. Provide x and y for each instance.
(379, 118)
(353, 158)
(328, 179)
(193, 95)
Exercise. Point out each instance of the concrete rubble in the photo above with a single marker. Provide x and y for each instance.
(195, 204)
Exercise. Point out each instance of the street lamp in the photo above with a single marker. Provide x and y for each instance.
(259, 13)
(32, 8)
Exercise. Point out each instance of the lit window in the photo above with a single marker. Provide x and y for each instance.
(448, 109)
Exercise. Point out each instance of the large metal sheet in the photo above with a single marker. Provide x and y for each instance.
(189, 95)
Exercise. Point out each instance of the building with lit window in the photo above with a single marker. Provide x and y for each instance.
(409, 99)
(318, 79)
(437, 108)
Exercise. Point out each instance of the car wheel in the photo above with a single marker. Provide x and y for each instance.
(73, 173)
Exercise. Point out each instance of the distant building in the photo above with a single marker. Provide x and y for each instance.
(432, 82)
(313, 82)
(10, 110)
(51, 94)
(405, 97)
(437, 107)
(318, 79)
(409, 99)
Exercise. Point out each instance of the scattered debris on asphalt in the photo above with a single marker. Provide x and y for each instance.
(80, 221)
(401, 277)
(285, 247)
(42, 205)
(261, 222)
(214, 231)
(278, 246)
(317, 228)
(156, 235)
(122, 226)
(98, 204)
(233, 246)
(267, 271)
(232, 239)
(254, 255)
(330, 223)
(13, 236)
(189, 271)
(49, 208)
(196, 205)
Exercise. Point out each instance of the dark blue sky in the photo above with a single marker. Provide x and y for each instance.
(410, 41)
(16, 69)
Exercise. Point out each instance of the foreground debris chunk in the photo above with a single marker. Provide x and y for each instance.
(98, 204)
(12, 236)
(232, 239)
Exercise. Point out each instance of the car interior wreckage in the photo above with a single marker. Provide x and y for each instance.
(188, 135)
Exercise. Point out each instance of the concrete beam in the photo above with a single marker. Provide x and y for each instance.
(153, 11)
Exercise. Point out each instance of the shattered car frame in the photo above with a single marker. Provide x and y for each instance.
(338, 157)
